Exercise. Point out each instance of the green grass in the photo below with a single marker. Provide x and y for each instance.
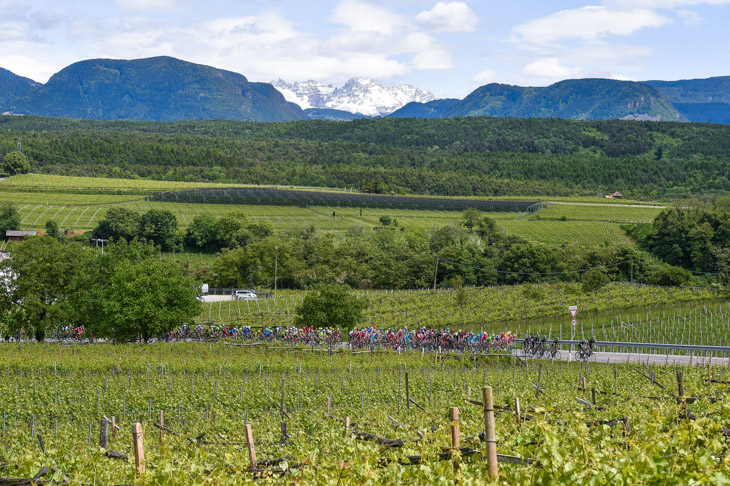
(209, 391)
(79, 203)
(600, 212)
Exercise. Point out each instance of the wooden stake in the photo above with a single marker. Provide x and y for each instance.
(490, 432)
(517, 412)
(455, 438)
(114, 426)
(251, 450)
(138, 442)
(347, 427)
(162, 424)
(584, 383)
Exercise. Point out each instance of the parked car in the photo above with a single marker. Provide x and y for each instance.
(244, 295)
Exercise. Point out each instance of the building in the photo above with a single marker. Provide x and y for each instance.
(18, 235)
(615, 195)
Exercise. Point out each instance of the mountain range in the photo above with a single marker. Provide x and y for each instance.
(358, 95)
(169, 89)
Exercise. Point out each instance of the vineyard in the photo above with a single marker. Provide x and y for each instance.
(618, 312)
(351, 418)
(78, 204)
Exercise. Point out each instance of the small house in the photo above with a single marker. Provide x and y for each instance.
(18, 235)
(615, 195)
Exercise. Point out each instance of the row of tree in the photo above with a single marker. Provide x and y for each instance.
(125, 293)
(475, 156)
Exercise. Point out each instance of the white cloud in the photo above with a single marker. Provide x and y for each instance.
(662, 4)
(146, 4)
(449, 17)
(29, 67)
(435, 59)
(485, 77)
(690, 18)
(550, 68)
(589, 23)
(362, 16)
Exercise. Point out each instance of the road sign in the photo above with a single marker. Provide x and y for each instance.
(573, 322)
(573, 311)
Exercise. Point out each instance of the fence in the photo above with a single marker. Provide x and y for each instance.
(289, 197)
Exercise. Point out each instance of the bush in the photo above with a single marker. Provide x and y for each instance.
(331, 306)
(670, 276)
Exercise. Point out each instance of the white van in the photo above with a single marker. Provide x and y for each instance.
(244, 295)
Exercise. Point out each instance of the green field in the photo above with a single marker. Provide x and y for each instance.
(78, 204)
(206, 393)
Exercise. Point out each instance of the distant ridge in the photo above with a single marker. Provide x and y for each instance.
(169, 89)
(579, 99)
(155, 89)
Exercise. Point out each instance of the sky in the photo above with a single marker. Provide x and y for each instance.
(447, 47)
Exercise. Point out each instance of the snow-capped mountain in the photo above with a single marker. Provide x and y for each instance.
(358, 95)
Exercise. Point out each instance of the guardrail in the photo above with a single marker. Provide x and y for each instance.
(673, 347)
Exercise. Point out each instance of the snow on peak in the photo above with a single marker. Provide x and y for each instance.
(358, 95)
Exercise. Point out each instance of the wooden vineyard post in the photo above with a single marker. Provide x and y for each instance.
(347, 427)
(251, 449)
(517, 412)
(680, 393)
(584, 383)
(162, 424)
(114, 425)
(138, 443)
(490, 432)
(455, 438)
(709, 374)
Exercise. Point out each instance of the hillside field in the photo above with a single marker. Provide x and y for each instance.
(78, 204)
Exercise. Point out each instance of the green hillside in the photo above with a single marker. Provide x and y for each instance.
(580, 99)
(12, 87)
(158, 89)
(474, 156)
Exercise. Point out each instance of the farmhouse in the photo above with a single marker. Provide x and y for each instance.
(615, 195)
(18, 235)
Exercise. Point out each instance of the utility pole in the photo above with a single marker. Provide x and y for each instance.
(435, 272)
(102, 240)
(632, 270)
(276, 268)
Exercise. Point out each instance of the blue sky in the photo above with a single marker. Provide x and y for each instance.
(447, 47)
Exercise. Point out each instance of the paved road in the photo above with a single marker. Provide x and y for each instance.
(643, 358)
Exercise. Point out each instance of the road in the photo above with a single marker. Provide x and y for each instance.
(641, 358)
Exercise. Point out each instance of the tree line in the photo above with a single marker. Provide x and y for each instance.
(470, 156)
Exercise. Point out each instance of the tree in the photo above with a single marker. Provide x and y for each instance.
(525, 262)
(37, 299)
(670, 276)
(52, 230)
(16, 163)
(202, 231)
(159, 226)
(118, 223)
(471, 218)
(9, 218)
(331, 305)
(460, 294)
(487, 230)
(385, 220)
(147, 299)
(594, 279)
